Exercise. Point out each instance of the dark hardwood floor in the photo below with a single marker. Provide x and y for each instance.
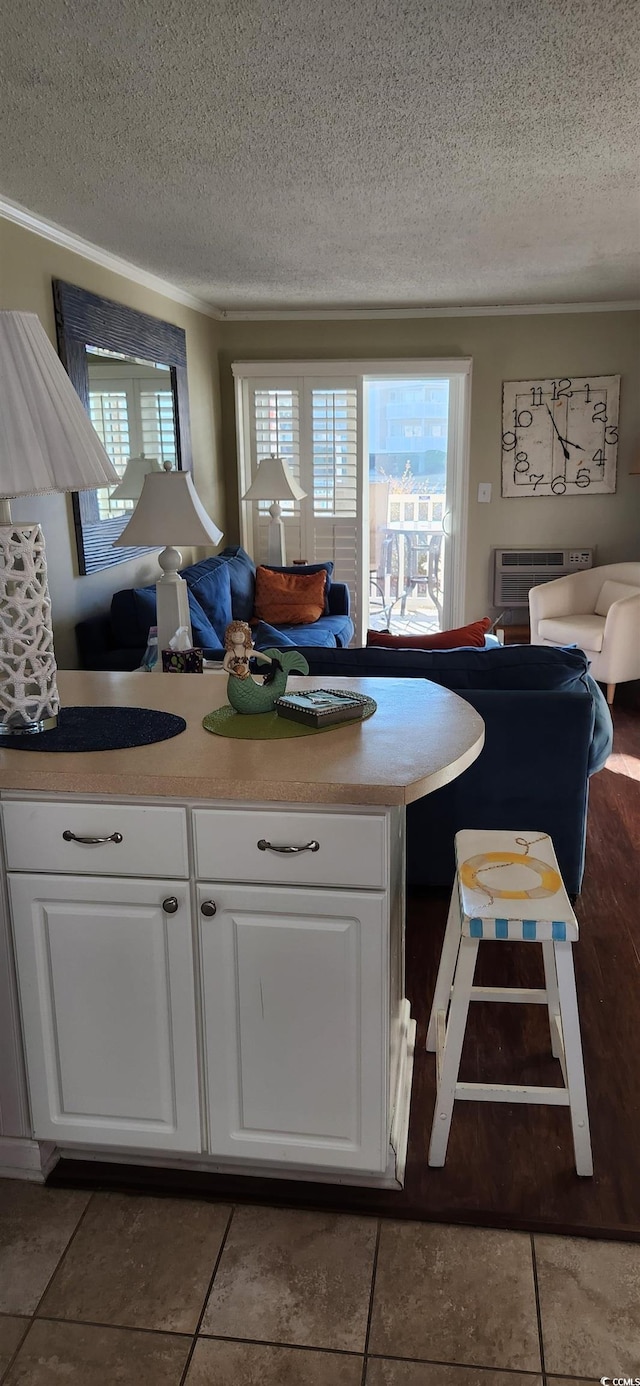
(510, 1166)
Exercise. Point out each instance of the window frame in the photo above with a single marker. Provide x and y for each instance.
(457, 370)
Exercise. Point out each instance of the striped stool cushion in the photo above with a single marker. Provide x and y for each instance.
(510, 887)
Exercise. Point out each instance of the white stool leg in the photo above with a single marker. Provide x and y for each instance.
(551, 988)
(573, 1057)
(445, 1097)
(448, 959)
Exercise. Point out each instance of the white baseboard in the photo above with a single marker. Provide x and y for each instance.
(25, 1159)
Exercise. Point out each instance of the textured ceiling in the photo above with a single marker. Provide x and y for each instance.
(300, 153)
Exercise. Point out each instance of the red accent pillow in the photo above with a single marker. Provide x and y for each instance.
(472, 634)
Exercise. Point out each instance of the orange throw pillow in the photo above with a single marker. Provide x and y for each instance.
(472, 634)
(289, 599)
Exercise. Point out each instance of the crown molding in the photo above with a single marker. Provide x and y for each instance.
(12, 211)
(495, 310)
(59, 235)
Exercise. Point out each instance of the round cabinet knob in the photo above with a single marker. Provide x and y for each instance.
(208, 909)
(170, 905)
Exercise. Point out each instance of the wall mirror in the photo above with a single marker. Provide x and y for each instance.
(130, 371)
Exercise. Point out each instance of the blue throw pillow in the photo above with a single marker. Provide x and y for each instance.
(212, 589)
(242, 575)
(308, 568)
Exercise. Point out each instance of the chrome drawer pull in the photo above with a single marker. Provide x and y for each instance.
(90, 841)
(312, 846)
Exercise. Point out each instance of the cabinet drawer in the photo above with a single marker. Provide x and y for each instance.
(154, 840)
(351, 851)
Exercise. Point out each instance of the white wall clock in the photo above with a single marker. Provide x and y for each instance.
(560, 437)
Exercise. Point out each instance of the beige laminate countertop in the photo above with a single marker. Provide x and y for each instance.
(420, 738)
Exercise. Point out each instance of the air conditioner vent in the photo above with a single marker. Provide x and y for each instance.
(516, 571)
(516, 558)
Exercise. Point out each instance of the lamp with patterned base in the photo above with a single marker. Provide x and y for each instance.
(47, 443)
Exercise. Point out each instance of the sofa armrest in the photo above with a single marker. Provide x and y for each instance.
(339, 599)
(94, 641)
(602, 736)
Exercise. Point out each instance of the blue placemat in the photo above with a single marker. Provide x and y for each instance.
(100, 729)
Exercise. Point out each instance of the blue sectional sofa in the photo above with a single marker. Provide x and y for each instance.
(547, 729)
(221, 589)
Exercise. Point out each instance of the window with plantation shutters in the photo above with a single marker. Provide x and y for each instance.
(319, 416)
(313, 425)
(109, 414)
(156, 422)
(334, 424)
(275, 430)
(131, 408)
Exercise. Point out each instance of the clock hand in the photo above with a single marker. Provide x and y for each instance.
(567, 454)
(565, 440)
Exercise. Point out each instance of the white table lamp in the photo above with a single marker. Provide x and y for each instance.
(47, 443)
(130, 487)
(169, 512)
(273, 482)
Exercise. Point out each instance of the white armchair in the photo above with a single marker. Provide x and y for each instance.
(597, 609)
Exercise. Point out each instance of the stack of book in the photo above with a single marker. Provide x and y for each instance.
(321, 707)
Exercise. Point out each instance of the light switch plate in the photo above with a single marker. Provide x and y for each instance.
(484, 491)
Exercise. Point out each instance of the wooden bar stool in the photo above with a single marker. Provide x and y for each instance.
(493, 871)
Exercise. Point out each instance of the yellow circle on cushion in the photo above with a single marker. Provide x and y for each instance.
(550, 882)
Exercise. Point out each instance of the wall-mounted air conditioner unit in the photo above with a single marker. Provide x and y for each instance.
(517, 570)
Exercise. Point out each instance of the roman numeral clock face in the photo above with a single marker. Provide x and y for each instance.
(560, 437)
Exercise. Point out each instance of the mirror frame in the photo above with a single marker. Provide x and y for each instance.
(85, 319)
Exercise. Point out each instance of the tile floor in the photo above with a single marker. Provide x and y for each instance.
(105, 1288)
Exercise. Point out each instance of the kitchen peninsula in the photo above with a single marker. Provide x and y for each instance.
(217, 984)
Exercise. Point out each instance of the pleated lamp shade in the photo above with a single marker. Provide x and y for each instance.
(47, 441)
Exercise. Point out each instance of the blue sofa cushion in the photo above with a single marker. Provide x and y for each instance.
(308, 568)
(133, 610)
(327, 633)
(212, 589)
(242, 578)
(266, 636)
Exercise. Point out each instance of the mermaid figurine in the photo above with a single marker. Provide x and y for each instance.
(244, 693)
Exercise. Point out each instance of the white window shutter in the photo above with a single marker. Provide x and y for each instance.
(332, 520)
(274, 427)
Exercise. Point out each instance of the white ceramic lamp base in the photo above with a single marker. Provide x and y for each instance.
(29, 699)
(275, 543)
(172, 602)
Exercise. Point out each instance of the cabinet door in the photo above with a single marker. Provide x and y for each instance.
(108, 1007)
(296, 1025)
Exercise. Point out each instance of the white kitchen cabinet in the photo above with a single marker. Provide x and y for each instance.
(295, 1025)
(106, 982)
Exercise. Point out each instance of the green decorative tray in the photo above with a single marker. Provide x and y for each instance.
(268, 726)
